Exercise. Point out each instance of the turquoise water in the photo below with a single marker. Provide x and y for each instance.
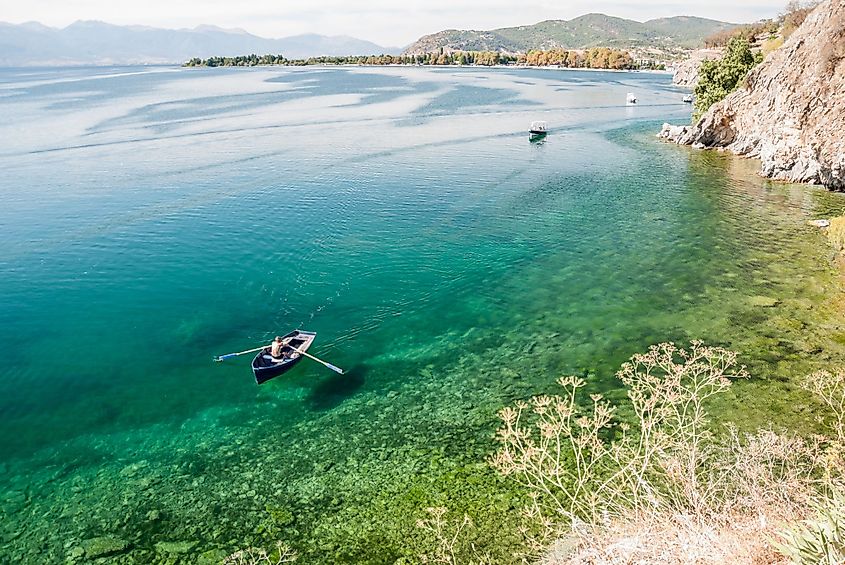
(155, 217)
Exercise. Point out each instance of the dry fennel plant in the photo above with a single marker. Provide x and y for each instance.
(585, 468)
(282, 553)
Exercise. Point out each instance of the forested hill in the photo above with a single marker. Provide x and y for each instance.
(591, 30)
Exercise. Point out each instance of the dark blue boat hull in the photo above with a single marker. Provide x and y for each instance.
(265, 369)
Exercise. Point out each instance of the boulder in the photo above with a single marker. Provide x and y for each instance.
(820, 223)
(103, 546)
(175, 546)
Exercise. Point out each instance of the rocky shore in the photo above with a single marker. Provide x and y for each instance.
(790, 112)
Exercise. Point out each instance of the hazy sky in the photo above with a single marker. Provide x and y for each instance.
(387, 22)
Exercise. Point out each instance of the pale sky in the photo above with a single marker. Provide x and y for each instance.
(386, 22)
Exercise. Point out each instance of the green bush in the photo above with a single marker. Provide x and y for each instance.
(720, 77)
(820, 541)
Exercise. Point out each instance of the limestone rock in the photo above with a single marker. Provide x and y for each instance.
(686, 71)
(790, 112)
(102, 546)
(175, 546)
(673, 133)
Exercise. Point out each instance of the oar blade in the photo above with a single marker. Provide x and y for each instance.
(229, 355)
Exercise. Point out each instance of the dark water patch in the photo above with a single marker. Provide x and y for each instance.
(461, 97)
(334, 389)
(77, 89)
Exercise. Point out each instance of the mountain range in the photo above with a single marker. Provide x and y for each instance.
(99, 43)
(590, 30)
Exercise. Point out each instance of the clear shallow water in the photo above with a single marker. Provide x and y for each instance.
(156, 217)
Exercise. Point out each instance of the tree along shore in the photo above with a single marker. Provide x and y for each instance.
(595, 58)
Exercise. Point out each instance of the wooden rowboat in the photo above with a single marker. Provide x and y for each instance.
(266, 367)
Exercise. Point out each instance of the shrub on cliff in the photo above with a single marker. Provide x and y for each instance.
(718, 78)
(794, 15)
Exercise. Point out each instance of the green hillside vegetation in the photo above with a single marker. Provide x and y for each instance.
(460, 40)
(591, 30)
(687, 31)
(720, 77)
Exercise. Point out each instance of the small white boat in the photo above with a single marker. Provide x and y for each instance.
(631, 99)
(538, 128)
(687, 99)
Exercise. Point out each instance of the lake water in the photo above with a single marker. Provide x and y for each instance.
(155, 217)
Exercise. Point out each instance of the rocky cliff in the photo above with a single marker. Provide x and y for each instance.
(790, 112)
(686, 71)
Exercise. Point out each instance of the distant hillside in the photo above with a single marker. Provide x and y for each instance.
(591, 30)
(98, 43)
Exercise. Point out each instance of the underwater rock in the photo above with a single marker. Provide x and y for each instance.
(103, 545)
(13, 502)
(175, 546)
(132, 469)
(212, 557)
(281, 516)
(820, 223)
(764, 301)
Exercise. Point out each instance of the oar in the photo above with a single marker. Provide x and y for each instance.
(228, 355)
(320, 361)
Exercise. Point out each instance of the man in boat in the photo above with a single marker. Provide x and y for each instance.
(277, 348)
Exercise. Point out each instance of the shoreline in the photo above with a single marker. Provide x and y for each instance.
(364, 65)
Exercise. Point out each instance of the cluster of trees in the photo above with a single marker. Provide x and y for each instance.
(240, 61)
(720, 77)
(485, 58)
(596, 58)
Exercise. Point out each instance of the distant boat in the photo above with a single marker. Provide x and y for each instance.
(266, 367)
(687, 99)
(538, 129)
(632, 99)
